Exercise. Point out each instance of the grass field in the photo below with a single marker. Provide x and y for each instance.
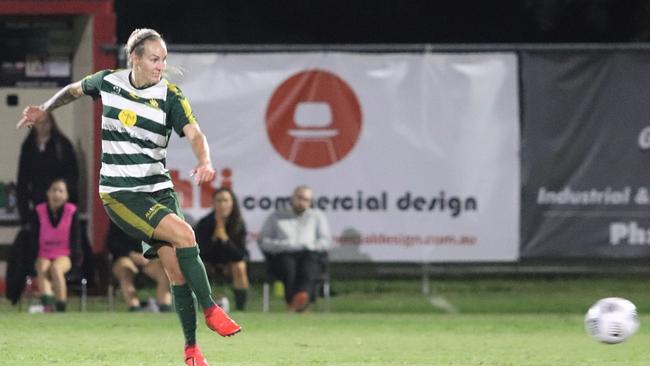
(371, 323)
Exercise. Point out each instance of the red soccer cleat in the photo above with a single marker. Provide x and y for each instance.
(220, 322)
(194, 357)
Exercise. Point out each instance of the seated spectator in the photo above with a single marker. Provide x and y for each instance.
(128, 261)
(221, 236)
(56, 234)
(294, 242)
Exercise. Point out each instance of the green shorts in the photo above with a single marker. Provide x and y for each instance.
(138, 213)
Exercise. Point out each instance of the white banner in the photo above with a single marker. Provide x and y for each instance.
(412, 157)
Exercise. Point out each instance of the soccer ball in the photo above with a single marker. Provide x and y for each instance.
(612, 320)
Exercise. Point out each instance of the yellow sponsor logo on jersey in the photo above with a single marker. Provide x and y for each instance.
(153, 210)
(127, 117)
(153, 103)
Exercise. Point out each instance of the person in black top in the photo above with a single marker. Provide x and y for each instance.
(46, 154)
(221, 236)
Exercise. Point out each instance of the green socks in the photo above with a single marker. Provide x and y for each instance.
(184, 304)
(194, 273)
(197, 284)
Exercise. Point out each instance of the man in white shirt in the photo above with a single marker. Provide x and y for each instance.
(295, 241)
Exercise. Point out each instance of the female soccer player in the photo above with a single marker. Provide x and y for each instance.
(140, 111)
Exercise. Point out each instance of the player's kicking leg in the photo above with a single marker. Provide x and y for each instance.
(173, 229)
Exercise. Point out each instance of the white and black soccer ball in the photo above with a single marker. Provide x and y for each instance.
(612, 320)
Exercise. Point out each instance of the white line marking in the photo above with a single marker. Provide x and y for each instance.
(441, 303)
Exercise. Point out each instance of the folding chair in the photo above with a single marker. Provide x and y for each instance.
(78, 283)
(269, 279)
(323, 283)
(111, 288)
(75, 282)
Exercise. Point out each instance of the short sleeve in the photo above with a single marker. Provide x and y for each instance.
(179, 113)
(91, 84)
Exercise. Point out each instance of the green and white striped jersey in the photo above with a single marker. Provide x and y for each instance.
(136, 127)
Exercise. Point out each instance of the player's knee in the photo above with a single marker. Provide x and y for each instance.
(185, 237)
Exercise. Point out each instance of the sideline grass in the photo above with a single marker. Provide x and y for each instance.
(501, 322)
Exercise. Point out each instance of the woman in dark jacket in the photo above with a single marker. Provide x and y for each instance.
(221, 236)
(46, 154)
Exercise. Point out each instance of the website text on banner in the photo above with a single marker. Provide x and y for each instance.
(411, 157)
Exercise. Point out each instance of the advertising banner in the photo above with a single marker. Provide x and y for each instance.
(412, 157)
(585, 154)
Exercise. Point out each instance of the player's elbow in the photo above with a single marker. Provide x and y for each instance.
(76, 89)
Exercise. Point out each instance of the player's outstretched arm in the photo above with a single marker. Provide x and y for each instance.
(34, 114)
(203, 172)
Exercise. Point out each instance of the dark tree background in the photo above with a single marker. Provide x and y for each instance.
(387, 21)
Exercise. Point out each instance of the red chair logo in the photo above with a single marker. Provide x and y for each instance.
(313, 119)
